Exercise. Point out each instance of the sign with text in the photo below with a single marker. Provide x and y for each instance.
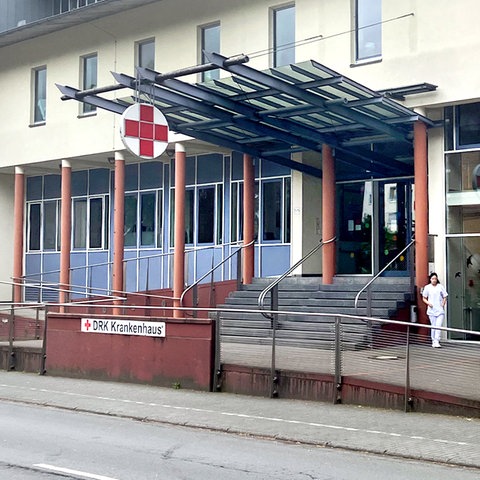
(123, 327)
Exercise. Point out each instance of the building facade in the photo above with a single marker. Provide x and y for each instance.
(407, 51)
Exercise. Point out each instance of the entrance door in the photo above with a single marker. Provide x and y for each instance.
(374, 225)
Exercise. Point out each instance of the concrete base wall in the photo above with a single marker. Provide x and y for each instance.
(183, 358)
(317, 387)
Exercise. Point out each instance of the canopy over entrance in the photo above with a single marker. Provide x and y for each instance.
(274, 113)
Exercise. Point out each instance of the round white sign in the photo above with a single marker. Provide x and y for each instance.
(144, 130)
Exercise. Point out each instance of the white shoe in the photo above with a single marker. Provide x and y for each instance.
(436, 344)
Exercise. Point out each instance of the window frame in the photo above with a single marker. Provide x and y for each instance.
(86, 70)
(139, 60)
(375, 27)
(280, 51)
(87, 223)
(39, 93)
(213, 27)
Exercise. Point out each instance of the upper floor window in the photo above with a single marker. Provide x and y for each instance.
(209, 42)
(146, 54)
(39, 94)
(283, 36)
(89, 78)
(368, 29)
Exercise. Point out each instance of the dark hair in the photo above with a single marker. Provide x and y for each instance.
(433, 274)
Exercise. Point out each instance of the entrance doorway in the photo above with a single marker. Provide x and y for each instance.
(374, 225)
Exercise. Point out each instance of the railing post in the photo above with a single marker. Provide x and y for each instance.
(274, 317)
(195, 300)
(217, 377)
(11, 335)
(239, 268)
(337, 395)
(408, 399)
(43, 370)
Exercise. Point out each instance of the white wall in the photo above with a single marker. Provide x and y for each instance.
(6, 234)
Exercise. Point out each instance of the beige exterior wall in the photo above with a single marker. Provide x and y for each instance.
(6, 235)
(421, 42)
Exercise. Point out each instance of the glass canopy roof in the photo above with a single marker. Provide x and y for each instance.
(273, 113)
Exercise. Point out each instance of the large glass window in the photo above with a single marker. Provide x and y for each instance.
(51, 226)
(206, 214)
(39, 95)
(146, 54)
(89, 78)
(209, 42)
(90, 222)
(34, 223)
(368, 29)
(468, 125)
(283, 36)
(143, 219)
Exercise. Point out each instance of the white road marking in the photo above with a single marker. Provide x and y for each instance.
(69, 471)
(243, 415)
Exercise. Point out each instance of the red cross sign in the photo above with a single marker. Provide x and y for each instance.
(144, 130)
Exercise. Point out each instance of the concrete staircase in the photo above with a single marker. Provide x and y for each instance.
(308, 295)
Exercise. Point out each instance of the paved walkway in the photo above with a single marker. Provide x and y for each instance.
(438, 438)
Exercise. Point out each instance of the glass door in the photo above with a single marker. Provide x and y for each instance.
(394, 225)
(354, 238)
(374, 226)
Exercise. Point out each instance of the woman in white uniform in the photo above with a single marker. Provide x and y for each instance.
(435, 296)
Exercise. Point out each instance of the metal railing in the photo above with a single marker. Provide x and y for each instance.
(274, 284)
(195, 284)
(399, 356)
(369, 283)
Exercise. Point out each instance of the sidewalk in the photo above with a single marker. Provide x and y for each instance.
(439, 438)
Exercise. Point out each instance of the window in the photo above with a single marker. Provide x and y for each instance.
(34, 222)
(90, 222)
(209, 42)
(284, 36)
(89, 78)
(40, 95)
(143, 219)
(368, 29)
(146, 54)
(468, 125)
(51, 226)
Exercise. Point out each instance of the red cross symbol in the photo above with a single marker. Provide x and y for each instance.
(87, 324)
(144, 130)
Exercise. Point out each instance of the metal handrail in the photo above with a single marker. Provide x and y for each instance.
(263, 294)
(381, 271)
(194, 284)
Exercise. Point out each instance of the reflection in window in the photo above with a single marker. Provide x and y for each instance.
(210, 42)
(206, 214)
(50, 226)
(34, 226)
(147, 219)
(368, 29)
(146, 54)
(272, 209)
(189, 216)
(89, 78)
(284, 36)
(40, 95)
(468, 118)
(130, 221)
(89, 222)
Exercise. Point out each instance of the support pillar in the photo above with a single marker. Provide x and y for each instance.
(328, 214)
(179, 221)
(421, 213)
(248, 218)
(65, 235)
(18, 221)
(118, 228)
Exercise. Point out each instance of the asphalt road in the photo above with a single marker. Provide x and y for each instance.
(49, 443)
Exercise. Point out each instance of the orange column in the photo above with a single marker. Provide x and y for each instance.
(421, 213)
(118, 226)
(179, 221)
(248, 218)
(65, 229)
(328, 214)
(18, 219)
